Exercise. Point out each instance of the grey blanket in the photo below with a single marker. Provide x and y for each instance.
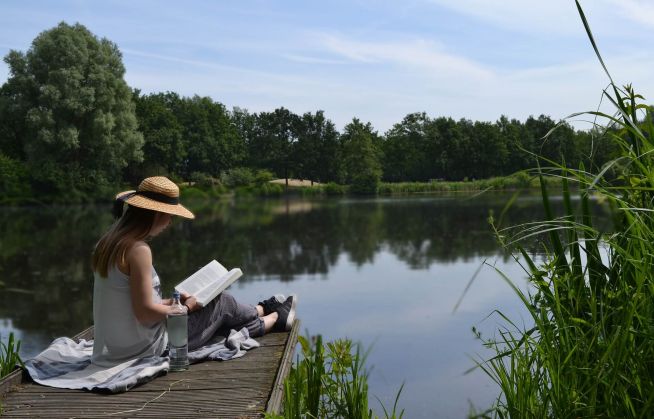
(67, 364)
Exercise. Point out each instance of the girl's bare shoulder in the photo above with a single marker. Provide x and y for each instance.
(139, 254)
(139, 250)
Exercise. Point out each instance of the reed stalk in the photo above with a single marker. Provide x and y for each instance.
(9, 358)
(330, 381)
(587, 351)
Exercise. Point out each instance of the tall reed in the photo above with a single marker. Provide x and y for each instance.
(589, 348)
(330, 381)
(9, 358)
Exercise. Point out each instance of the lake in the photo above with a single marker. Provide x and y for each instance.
(386, 272)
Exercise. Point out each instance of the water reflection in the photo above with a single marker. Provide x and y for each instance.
(287, 238)
(46, 251)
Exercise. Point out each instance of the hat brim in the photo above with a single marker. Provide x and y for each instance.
(147, 203)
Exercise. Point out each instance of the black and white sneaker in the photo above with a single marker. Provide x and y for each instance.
(286, 314)
(272, 304)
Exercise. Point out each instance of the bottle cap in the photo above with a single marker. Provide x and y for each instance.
(176, 294)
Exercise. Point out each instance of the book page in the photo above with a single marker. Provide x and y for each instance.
(202, 279)
(217, 286)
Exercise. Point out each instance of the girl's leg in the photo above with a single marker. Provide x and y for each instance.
(269, 321)
(223, 313)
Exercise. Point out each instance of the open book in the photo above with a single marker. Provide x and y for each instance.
(208, 282)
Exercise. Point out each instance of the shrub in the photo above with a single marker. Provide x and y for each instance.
(191, 192)
(239, 176)
(332, 188)
(366, 182)
(14, 179)
(263, 176)
(270, 189)
(203, 180)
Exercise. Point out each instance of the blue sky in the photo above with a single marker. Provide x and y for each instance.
(375, 60)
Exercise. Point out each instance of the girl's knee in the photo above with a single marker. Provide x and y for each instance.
(226, 297)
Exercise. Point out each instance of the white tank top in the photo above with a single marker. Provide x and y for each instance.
(118, 335)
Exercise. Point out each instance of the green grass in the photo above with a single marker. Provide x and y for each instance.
(206, 190)
(588, 347)
(330, 381)
(518, 181)
(9, 358)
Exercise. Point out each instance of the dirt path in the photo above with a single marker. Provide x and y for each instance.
(294, 182)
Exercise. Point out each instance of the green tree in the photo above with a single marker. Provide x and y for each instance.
(316, 149)
(462, 151)
(244, 123)
(361, 158)
(405, 152)
(450, 136)
(14, 182)
(213, 143)
(73, 115)
(164, 149)
(11, 125)
(490, 154)
(272, 143)
(518, 144)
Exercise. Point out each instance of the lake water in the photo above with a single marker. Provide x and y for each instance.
(386, 272)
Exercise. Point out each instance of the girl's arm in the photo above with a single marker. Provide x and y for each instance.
(147, 312)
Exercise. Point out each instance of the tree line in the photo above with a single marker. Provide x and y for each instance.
(69, 123)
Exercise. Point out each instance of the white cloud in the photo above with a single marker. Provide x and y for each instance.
(552, 16)
(419, 53)
(637, 10)
(312, 60)
(225, 74)
(556, 18)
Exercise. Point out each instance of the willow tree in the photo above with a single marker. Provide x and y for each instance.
(361, 157)
(72, 116)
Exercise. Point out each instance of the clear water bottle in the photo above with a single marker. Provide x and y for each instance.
(177, 325)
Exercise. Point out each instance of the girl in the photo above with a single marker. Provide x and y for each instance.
(128, 311)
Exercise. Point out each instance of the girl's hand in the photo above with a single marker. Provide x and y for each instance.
(190, 302)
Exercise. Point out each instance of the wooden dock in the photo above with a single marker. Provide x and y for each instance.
(246, 387)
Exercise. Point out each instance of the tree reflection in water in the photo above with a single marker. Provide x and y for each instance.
(47, 250)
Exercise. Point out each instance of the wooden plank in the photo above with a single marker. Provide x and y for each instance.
(231, 410)
(170, 393)
(238, 388)
(270, 339)
(275, 401)
(84, 334)
(217, 380)
(164, 402)
(9, 382)
(19, 376)
(164, 381)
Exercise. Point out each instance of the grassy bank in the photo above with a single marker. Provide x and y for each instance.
(518, 181)
(586, 350)
(259, 183)
(507, 183)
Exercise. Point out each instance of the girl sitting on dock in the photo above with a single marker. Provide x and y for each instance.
(128, 310)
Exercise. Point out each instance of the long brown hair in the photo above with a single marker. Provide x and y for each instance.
(111, 249)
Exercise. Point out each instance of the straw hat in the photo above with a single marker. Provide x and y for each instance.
(156, 193)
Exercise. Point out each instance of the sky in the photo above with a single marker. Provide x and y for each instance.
(374, 60)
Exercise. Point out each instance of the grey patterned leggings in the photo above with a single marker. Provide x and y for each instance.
(219, 316)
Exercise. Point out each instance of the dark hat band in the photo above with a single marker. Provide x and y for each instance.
(155, 196)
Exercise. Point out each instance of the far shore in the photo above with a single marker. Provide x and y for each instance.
(295, 182)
